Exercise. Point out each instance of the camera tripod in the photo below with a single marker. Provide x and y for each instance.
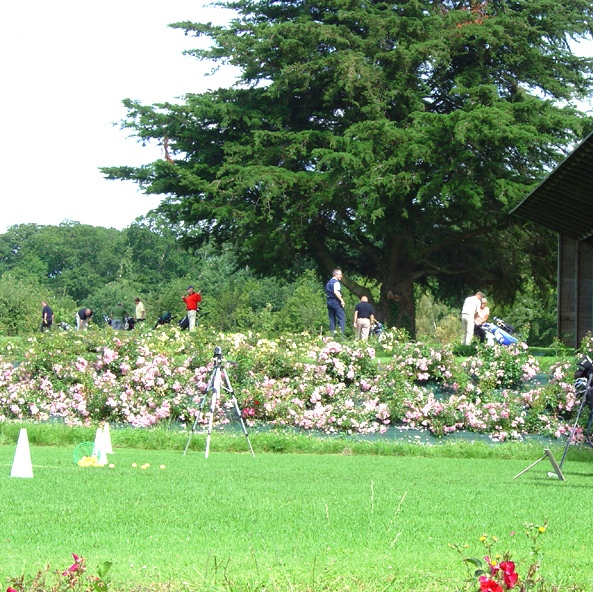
(218, 380)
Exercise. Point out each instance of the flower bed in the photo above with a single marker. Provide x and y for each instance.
(302, 381)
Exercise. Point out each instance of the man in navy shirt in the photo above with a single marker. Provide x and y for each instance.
(364, 317)
(335, 302)
(47, 317)
(82, 318)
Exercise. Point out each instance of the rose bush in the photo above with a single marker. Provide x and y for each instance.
(302, 381)
(498, 573)
(73, 579)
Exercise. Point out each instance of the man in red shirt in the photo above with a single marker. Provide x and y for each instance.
(191, 302)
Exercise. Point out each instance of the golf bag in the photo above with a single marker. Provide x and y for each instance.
(164, 319)
(500, 332)
(184, 322)
(64, 326)
(583, 387)
(504, 326)
(376, 329)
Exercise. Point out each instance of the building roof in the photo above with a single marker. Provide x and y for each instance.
(564, 200)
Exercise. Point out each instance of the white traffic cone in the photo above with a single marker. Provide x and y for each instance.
(107, 439)
(21, 466)
(99, 448)
(97, 444)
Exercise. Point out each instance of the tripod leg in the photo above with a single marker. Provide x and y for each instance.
(529, 467)
(229, 388)
(200, 413)
(215, 395)
(572, 432)
(191, 433)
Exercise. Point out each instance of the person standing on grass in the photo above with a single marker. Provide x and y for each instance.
(335, 302)
(140, 310)
(192, 300)
(117, 317)
(469, 312)
(364, 317)
(47, 317)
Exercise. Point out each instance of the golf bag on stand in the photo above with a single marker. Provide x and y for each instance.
(164, 319)
(184, 322)
(583, 386)
(500, 332)
(376, 329)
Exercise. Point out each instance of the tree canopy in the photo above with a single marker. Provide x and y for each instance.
(76, 259)
(388, 138)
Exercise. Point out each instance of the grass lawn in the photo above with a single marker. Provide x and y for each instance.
(291, 521)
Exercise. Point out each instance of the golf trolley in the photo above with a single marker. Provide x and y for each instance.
(219, 381)
(583, 388)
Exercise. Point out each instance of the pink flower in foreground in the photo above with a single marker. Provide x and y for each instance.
(78, 563)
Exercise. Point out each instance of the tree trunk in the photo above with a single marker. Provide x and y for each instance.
(397, 307)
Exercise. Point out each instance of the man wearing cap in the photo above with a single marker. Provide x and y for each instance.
(191, 302)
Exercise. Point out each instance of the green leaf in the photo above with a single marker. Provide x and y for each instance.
(473, 561)
(104, 568)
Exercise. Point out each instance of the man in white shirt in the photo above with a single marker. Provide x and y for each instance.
(140, 310)
(470, 310)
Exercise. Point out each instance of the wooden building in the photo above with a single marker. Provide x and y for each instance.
(564, 202)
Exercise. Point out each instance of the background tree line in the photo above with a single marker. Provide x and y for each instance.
(74, 265)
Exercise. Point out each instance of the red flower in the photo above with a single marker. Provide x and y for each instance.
(488, 585)
(10, 590)
(509, 574)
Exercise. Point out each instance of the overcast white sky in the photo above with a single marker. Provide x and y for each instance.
(65, 67)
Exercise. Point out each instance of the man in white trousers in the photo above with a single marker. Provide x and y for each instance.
(470, 309)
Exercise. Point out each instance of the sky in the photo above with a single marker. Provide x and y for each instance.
(65, 68)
